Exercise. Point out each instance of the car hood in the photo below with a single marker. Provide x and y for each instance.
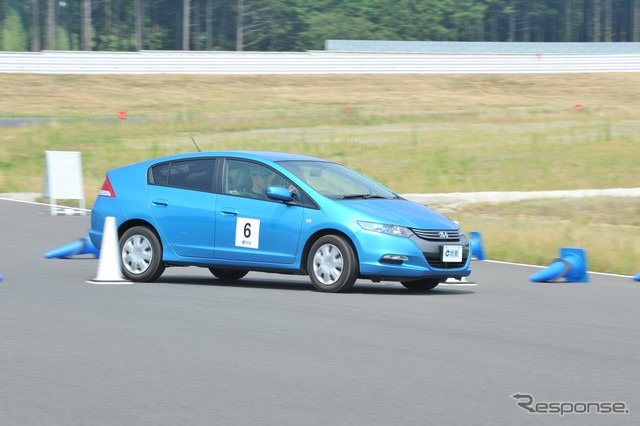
(400, 212)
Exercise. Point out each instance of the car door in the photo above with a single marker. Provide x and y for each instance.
(253, 228)
(181, 199)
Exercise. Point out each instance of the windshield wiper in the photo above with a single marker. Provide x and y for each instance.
(362, 196)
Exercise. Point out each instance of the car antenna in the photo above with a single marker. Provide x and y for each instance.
(194, 142)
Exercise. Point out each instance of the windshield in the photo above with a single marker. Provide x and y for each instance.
(336, 181)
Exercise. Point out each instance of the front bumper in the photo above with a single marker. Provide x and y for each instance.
(387, 257)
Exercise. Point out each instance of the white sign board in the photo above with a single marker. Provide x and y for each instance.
(247, 232)
(63, 179)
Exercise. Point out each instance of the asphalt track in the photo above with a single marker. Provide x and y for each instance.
(269, 350)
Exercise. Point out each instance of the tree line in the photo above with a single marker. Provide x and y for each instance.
(298, 25)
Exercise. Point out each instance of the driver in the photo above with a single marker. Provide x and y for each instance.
(258, 184)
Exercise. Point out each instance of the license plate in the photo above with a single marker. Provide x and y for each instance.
(452, 253)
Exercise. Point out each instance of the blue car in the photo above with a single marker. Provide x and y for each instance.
(239, 211)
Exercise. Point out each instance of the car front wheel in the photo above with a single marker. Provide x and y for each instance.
(141, 255)
(332, 264)
(424, 284)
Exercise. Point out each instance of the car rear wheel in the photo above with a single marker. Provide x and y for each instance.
(424, 284)
(332, 264)
(228, 274)
(141, 254)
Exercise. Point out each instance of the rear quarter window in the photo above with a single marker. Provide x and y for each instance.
(159, 174)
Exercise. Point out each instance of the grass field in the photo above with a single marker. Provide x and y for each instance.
(415, 134)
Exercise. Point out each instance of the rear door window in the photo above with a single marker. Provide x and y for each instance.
(195, 174)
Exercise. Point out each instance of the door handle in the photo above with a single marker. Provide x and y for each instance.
(159, 202)
(227, 211)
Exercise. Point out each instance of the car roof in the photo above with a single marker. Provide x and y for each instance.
(248, 154)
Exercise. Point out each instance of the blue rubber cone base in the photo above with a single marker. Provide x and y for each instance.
(636, 277)
(570, 266)
(475, 244)
(76, 248)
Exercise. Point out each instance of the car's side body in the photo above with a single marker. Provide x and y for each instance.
(194, 205)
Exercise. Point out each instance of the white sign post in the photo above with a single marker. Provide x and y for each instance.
(63, 179)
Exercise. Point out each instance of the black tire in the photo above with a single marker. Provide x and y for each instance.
(332, 264)
(423, 284)
(228, 274)
(141, 254)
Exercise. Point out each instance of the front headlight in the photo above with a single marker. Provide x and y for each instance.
(384, 228)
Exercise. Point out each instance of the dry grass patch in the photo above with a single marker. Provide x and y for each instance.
(390, 95)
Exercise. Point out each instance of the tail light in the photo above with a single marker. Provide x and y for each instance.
(107, 189)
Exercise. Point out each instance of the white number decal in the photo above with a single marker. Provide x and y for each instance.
(247, 232)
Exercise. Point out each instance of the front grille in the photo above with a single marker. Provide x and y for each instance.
(435, 260)
(437, 235)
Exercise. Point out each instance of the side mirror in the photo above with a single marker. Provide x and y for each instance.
(279, 193)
